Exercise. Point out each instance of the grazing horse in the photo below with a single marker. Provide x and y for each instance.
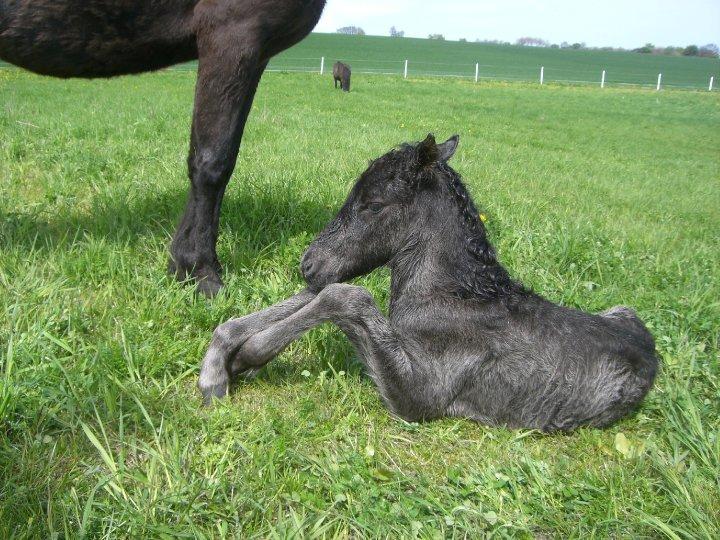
(233, 41)
(463, 338)
(341, 74)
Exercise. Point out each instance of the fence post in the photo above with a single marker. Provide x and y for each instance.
(602, 80)
(542, 74)
(322, 65)
(711, 83)
(659, 81)
(405, 71)
(477, 71)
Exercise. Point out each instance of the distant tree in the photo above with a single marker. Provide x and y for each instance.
(672, 51)
(439, 37)
(564, 45)
(554, 46)
(352, 30)
(691, 50)
(578, 46)
(492, 42)
(531, 42)
(709, 51)
(645, 49)
(394, 32)
(462, 40)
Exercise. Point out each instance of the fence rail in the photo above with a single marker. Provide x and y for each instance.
(406, 67)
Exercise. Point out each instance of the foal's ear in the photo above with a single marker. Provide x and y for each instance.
(447, 149)
(427, 151)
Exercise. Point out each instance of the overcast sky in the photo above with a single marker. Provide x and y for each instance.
(620, 23)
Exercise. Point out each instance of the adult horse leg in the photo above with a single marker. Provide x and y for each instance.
(228, 75)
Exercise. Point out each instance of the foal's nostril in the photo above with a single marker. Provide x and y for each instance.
(307, 268)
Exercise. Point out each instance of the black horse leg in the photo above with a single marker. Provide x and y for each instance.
(223, 98)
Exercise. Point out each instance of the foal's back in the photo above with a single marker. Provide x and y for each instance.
(548, 367)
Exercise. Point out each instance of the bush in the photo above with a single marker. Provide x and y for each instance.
(352, 30)
(709, 51)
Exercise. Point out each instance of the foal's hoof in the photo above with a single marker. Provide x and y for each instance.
(217, 391)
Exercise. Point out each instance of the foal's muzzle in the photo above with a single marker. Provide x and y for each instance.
(313, 267)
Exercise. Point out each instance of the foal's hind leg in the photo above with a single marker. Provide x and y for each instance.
(228, 74)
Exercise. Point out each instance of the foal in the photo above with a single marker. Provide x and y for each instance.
(463, 338)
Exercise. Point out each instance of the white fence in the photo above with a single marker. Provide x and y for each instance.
(477, 71)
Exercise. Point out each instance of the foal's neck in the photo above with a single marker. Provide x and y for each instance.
(449, 255)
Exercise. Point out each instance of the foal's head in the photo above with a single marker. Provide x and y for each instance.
(390, 203)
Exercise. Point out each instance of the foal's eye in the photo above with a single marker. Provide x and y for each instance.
(375, 207)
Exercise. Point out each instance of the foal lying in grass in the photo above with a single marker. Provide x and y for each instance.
(463, 338)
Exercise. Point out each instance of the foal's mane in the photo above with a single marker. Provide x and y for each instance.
(479, 276)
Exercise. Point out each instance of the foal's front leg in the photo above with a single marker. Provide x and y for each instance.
(221, 361)
(353, 309)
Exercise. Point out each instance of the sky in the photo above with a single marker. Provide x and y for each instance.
(617, 23)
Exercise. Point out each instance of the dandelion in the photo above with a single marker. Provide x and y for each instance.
(483, 218)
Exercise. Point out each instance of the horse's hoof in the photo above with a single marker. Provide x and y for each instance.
(209, 286)
(206, 277)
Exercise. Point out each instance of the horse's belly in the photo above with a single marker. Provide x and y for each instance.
(76, 38)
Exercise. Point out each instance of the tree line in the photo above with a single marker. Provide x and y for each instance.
(710, 50)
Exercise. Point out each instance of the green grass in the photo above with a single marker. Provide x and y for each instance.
(594, 198)
(432, 57)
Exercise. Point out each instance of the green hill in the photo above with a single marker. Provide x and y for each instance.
(377, 54)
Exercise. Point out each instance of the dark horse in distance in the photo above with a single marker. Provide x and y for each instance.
(233, 41)
(341, 74)
(463, 338)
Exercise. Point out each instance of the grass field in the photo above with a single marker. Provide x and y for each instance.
(594, 198)
(431, 57)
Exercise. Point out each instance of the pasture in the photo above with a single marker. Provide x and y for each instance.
(381, 54)
(593, 198)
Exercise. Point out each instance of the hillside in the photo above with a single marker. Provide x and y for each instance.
(429, 57)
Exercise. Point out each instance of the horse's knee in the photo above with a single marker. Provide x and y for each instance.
(208, 168)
